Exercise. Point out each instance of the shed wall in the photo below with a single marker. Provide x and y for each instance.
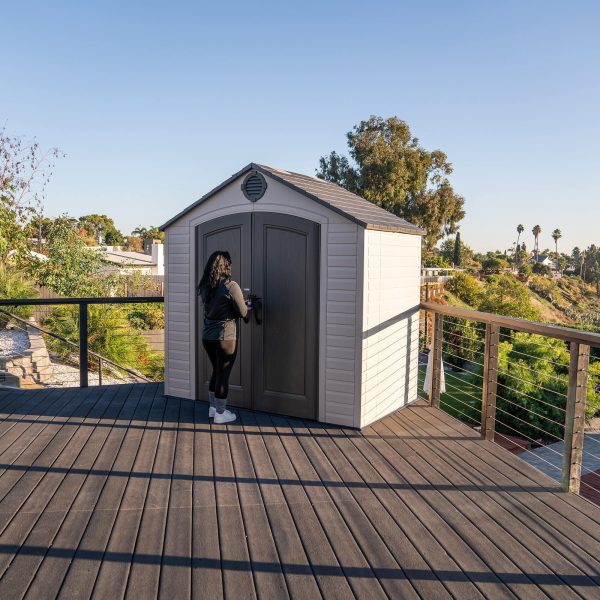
(390, 331)
(340, 296)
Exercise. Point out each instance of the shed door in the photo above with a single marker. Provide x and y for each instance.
(231, 233)
(277, 257)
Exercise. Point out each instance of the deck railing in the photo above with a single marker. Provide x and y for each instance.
(64, 335)
(532, 387)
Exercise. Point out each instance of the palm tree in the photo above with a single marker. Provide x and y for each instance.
(536, 234)
(556, 235)
(520, 230)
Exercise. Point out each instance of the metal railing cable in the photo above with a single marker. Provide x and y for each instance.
(523, 377)
(100, 357)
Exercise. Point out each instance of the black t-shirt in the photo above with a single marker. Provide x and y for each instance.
(222, 311)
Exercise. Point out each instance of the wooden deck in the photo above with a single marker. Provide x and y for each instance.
(118, 491)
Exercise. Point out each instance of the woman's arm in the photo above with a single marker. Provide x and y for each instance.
(237, 299)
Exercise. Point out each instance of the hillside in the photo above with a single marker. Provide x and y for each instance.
(567, 301)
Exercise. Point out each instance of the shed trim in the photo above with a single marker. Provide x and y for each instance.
(402, 226)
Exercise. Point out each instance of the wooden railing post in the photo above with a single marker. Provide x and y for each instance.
(435, 382)
(575, 417)
(490, 381)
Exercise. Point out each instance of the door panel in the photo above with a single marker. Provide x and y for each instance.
(277, 257)
(285, 273)
(233, 234)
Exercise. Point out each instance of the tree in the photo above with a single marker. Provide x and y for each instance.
(466, 288)
(556, 235)
(149, 233)
(536, 234)
(520, 230)
(391, 169)
(448, 249)
(101, 226)
(456, 256)
(72, 269)
(24, 173)
(505, 295)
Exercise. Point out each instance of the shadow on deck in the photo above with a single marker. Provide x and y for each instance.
(119, 490)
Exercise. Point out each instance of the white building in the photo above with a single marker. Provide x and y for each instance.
(127, 263)
(339, 281)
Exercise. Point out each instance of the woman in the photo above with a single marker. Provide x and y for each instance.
(223, 306)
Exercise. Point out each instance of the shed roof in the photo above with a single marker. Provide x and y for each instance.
(357, 209)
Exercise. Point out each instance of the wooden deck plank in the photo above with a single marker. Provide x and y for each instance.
(41, 516)
(144, 576)
(524, 476)
(268, 578)
(577, 507)
(539, 563)
(81, 575)
(121, 492)
(207, 582)
(50, 574)
(340, 481)
(113, 574)
(175, 576)
(238, 579)
(350, 557)
(520, 502)
(397, 499)
(295, 543)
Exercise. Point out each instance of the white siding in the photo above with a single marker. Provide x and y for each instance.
(390, 323)
(340, 302)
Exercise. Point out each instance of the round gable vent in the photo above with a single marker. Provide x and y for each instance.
(254, 186)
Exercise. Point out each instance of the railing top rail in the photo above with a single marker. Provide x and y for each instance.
(100, 300)
(553, 331)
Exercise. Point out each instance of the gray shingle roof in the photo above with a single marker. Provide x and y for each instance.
(331, 195)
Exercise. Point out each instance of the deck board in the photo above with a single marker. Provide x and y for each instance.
(118, 492)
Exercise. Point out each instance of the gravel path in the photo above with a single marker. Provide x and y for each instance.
(13, 342)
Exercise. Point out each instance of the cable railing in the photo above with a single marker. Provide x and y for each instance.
(530, 387)
(80, 341)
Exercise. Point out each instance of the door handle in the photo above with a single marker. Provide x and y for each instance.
(257, 308)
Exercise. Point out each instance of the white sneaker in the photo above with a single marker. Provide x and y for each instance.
(225, 417)
(211, 412)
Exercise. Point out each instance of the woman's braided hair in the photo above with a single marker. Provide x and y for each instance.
(218, 266)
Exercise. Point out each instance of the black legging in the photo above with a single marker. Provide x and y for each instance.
(221, 354)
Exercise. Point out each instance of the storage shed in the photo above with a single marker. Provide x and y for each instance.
(338, 277)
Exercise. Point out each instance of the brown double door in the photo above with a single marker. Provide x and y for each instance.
(276, 258)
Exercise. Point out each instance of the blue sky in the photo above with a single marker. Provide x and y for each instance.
(154, 103)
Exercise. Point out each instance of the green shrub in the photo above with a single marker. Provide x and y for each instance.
(147, 316)
(466, 287)
(15, 284)
(506, 295)
(109, 334)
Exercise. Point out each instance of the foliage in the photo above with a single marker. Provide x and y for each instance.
(97, 226)
(435, 260)
(448, 251)
(15, 284)
(505, 295)
(541, 269)
(71, 269)
(533, 380)
(109, 333)
(525, 269)
(149, 233)
(153, 366)
(146, 316)
(590, 269)
(494, 263)
(463, 341)
(24, 173)
(465, 287)
(134, 244)
(391, 169)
